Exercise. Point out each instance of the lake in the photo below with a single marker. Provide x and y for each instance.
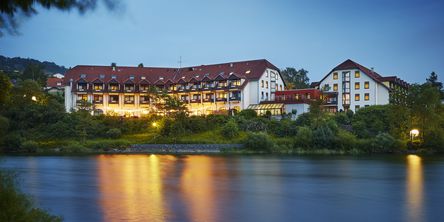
(234, 188)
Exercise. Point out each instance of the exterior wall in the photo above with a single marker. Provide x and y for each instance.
(273, 79)
(378, 94)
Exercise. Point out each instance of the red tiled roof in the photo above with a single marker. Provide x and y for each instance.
(350, 64)
(153, 74)
(54, 82)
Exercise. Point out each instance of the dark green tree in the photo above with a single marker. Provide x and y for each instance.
(35, 72)
(295, 79)
(5, 87)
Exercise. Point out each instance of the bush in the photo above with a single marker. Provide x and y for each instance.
(230, 129)
(29, 146)
(16, 206)
(345, 140)
(248, 114)
(12, 142)
(323, 137)
(259, 142)
(107, 145)
(114, 133)
(304, 138)
(74, 147)
(382, 143)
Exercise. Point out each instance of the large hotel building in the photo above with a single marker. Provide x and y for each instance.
(205, 89)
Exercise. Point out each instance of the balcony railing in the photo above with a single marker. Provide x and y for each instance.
(98, 101)
(221, 99)
(113, 102)
(235, 98)
(208, 100)
(129, 102)
(197, 100)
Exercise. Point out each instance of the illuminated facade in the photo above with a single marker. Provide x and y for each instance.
(204, 89)
(353, 86)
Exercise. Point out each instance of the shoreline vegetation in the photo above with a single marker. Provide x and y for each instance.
(33, 121)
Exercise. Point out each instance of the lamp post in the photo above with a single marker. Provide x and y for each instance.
(414, 133)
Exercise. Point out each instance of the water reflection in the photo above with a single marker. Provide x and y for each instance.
(414, 193)
(197, 186)
(131, 187)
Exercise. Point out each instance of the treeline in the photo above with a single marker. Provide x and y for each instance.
(31, 119)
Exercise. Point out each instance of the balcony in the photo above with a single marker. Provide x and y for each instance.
(221, 99)
(113, 101)
(143, 89)
(129, 89)
(113, 88)
(235, 98)
(82, 87)
(208, 100)
(195, 100)
(98, 101)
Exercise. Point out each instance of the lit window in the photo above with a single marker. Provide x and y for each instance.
(367, 96)
(335, 75)
(357, 74)
(357, 97)
(129, 99)
(142, 77)
(335, 87)
(357, 85)
(366, 85)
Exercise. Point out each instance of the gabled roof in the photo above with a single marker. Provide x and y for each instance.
(54, 82)
(350, 64)
(249, 70)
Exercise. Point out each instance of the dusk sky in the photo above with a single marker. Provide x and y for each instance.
(399, 37)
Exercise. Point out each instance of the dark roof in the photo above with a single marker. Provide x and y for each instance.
(153, 74)
(350, 64)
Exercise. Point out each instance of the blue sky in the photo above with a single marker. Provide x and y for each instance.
(397, 37)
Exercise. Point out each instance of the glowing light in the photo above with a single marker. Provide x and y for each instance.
(34, 98)
(154, 124)
(414, 132)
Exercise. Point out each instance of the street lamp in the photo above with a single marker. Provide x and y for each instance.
(154, 124)
(414, 133)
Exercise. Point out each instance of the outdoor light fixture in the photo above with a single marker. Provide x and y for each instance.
(414, 133)
(154, 124)
(34, 98)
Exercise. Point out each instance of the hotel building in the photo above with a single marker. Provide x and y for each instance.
(350, 86)
(205, 89)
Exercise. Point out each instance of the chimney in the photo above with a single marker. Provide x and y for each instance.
(114, 65)
(140, 65)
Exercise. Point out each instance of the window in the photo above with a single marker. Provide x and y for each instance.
(266, 73)
(366, 105)
(357, 74)
(113, 76)
(98, 86)
(281, 87)
(357, 107)
(357, 85)
(82, 75)
(345, 98)
(131, 77)
(83, 97)
(129, 99)
(335, 87)
(144, 99)
(142, 77)
(367, 96)
(266, 96)
(102, 76)
(98, 98)
(266, 84)
(114, 87)
(346, 76)
(335, 75)
(357, 97)
(366, 85)
(262, 83)
(113, 99)
(262, 95)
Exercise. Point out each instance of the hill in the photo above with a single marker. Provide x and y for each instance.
(18, 64)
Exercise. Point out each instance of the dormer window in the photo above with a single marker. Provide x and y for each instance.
(113, 76)
(98, 86)
(142, 77)
(82, 75)
(102, 76)
(131, 77)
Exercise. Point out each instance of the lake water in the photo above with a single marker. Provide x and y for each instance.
(234, 188)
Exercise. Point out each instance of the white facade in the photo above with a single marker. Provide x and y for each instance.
(361, 89)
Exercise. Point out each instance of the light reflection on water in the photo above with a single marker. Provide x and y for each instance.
(414, 191)
(234, 188)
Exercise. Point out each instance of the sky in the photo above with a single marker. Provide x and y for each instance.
(395, 37)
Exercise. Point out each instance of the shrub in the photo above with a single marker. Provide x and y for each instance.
(259, 142)
(16, 206)
(106, 145)
(74, 147)
(345, 140)
(12, 142)
(382, 143)
(230, 129)
(323, 137)
(29, 146)
(304, 138)
(248, 114)
(114, 133)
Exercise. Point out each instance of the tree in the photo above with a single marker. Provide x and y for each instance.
(5, 87)
(9, 9)
(433, 81)
(35, 72)
(296, 79)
